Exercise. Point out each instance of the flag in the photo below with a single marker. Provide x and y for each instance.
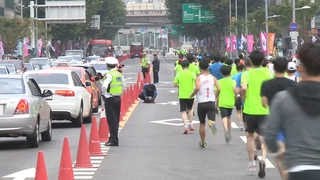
(271, 38)
(228, 44)
(244, 42)
(239, 44)
(1, 49)
(40, 45)
(250, 42)
(263, 41)
(233, 43)
(26, 47)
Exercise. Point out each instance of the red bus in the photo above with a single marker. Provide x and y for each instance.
(100, 47)
(136, 50)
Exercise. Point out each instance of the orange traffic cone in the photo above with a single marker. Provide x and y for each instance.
(103, 130)
(83, 156)
(41, 170)
(66, 171)
(94, 147)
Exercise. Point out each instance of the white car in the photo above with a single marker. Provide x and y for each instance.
(70, 98)
(100, 66)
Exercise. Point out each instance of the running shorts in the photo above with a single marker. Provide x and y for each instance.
(239, 104)
(254, 122)
(225, 112)
(185, 104)
(206, 109)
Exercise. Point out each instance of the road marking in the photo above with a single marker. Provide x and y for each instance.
(174, 103)
(23, 174)
(83, 177)
(172, 91)
(85, 169)
(172, 122)
(234, 125)
(83, 173)
(268, 162)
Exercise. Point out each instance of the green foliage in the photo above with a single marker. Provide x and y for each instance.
(13, 29)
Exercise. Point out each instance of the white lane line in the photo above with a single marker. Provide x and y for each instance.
(97, 157)
(96, 162)
(268, 162)
(83, 177)
(83, 173)
(234, 125)
(85, 169)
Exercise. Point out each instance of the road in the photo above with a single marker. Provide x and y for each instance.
(151, 145)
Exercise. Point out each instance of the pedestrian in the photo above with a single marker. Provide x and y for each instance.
(227, 94)
(112, 88)
(185, 81)
(239, 101)
(149, 93)
(214, 68)
(296, 113)
(155, 68)
(292, 72)
(145, 65)
(206, 96)
(254, 112)
(268, 91)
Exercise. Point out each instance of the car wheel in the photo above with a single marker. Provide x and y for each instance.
(33, 140)
(88, 118)
(47, 135)
(79, 120)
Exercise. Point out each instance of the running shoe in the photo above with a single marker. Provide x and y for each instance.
(262, 169)
(227, 136)
(212, 126)
(185, 131)
(191, 128)
(203, 145)
(252, 168)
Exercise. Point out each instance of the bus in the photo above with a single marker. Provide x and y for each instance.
(136, 49)
(100, 47)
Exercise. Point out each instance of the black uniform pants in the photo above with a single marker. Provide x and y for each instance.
(112, 109)
(155, 76)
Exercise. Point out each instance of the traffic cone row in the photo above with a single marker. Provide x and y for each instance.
(85, 150)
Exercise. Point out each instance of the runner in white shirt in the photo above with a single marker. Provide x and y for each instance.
(206, 97)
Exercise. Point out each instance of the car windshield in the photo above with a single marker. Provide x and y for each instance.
(99, 49)
(50, 78)
(100, 66)
(11, 86)
(11, 68)
(40, 61)
(3, 70)
(28, 66)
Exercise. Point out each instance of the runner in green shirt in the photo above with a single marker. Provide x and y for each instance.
(226, 101)
(253, 111)
(185, 81)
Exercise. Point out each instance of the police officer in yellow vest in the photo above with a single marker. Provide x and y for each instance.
(111, 90)
(145, 64)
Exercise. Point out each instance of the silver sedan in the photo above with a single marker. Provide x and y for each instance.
(24, 110)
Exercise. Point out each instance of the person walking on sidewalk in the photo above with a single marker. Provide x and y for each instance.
(185, 81)
(296, 113)
(253, 111)
(205, 85)
(268, 91)
(111, 90)
(155, 68)
(227, 94)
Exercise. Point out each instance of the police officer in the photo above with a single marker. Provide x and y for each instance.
(111, 90)
(144, 62)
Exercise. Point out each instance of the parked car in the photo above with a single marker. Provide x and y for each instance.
(74, 59)
(24, 110)
(99, 66)
(91, 86)
(41, 62)
(70, 98)
(4, 70)
(30, 67)
(75, 52)
(19, 66)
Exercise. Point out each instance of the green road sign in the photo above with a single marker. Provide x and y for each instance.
(196, 13)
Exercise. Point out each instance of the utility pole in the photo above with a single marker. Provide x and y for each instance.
(246, 16)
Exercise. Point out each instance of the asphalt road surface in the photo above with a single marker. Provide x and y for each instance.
(152, 145)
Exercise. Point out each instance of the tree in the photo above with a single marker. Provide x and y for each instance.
(13, 29)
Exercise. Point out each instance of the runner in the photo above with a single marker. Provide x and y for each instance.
(204, 90)
(214, 68)
(226, 101)
(296, 112)
(185, 81)
(253, 111)
(239, 102)
(292, 72)
(268, 91)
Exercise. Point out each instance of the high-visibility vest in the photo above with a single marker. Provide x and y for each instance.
(116, 84)
(144, 62)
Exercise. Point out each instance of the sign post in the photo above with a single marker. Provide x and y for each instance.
(294, 34)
